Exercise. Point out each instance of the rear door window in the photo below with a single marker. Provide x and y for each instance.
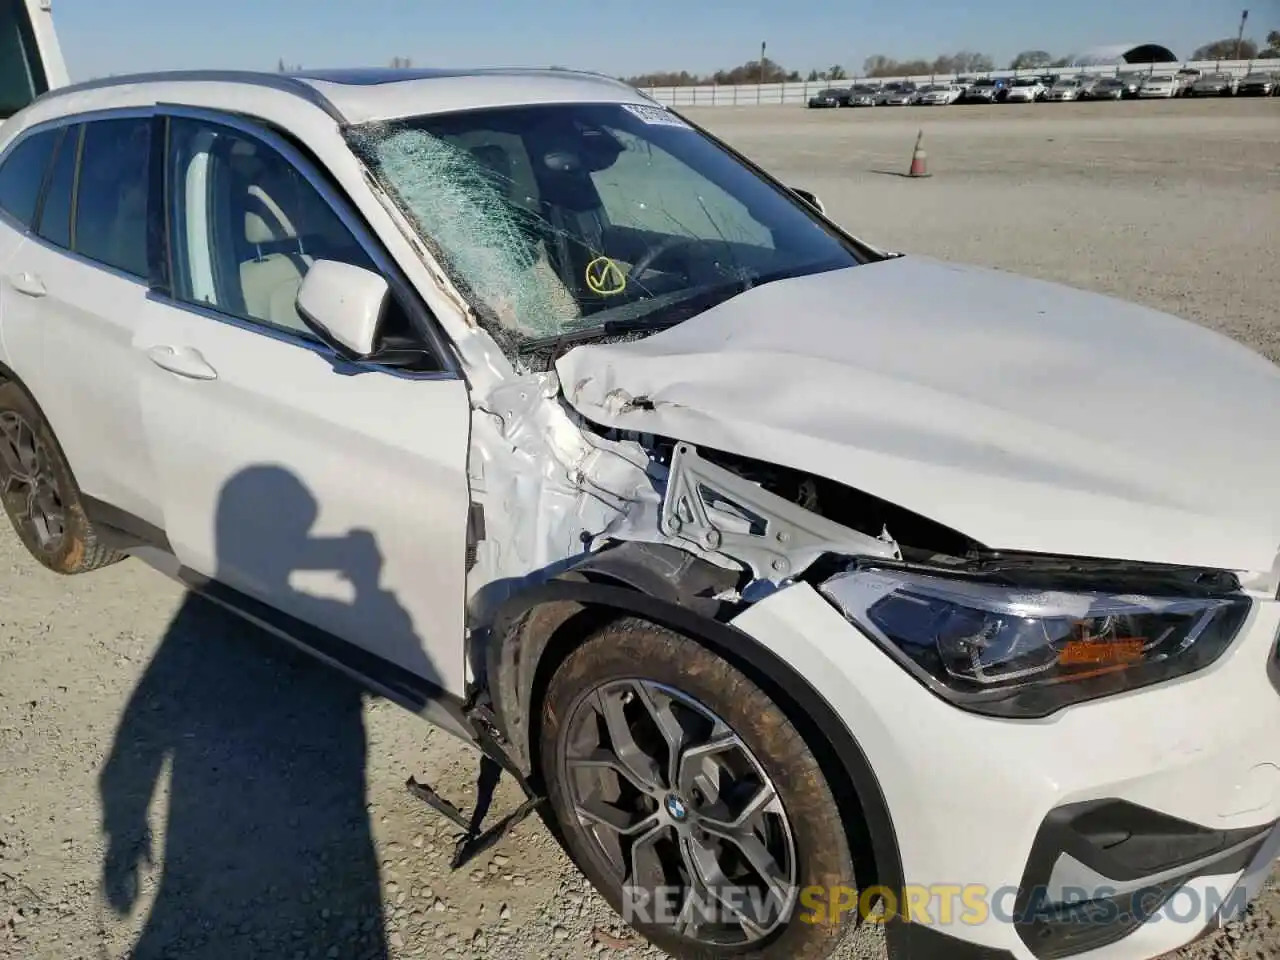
(111, 198)
(22, 175)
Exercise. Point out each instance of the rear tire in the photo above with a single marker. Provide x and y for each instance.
(39, 493)
(611, 714)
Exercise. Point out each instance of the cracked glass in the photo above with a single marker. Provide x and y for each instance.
(571, 220)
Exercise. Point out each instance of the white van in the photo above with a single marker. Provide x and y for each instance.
(30, 60)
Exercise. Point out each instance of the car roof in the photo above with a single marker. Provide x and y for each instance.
(353, 95)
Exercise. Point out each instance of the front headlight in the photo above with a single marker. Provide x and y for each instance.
(1019, 652)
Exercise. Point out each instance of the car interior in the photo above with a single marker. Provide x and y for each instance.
(249, 226)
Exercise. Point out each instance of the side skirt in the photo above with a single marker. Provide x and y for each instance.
(419, 696)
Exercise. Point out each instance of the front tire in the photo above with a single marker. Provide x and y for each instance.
(691, 802)
(40, 494)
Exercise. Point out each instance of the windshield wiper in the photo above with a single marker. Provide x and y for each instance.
(675, 311)
(669, 316)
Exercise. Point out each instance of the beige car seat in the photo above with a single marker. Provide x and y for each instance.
(559, 299)
(275, 207)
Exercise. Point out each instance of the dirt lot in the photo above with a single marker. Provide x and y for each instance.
(255, 801)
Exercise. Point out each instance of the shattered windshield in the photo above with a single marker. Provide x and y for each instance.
(569, 219)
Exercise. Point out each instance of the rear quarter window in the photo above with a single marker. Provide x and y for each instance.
(22, 175)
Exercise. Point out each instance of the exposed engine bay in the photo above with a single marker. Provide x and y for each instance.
(552, 487)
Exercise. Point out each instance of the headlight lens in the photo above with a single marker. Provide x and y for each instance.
(1019, 652)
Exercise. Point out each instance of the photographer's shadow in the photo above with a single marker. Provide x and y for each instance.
(267, 846)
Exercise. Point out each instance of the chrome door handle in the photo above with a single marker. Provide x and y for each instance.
(184, 361)
(27, 284)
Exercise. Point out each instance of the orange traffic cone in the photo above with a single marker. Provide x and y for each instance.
(918, 157)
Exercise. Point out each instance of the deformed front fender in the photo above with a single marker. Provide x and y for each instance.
(657, 582)
(534, 630)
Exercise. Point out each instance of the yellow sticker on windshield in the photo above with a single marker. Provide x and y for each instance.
(605, 277)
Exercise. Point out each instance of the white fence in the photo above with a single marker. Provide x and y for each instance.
(751, 94)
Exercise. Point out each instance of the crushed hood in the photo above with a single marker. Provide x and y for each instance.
(1027, 415)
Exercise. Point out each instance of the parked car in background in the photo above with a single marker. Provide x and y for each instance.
(1186, 78)
(1064, 88)
(936, 95)
(831, 97)
(1213, 85)
(1259, 84)
(1158, 86)
(1105, 88)
(896, 94)
(1085, 84)
(1047, 80)
(1132, 84)
(983, 90)
(1024, 90)
(863, 95)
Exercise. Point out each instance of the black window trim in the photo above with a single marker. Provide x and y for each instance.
(310, 170)
(60, 135)
(37, 222)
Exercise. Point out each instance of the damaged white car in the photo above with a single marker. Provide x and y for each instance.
(796, 577)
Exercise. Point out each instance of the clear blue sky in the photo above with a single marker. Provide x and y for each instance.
(615, 36)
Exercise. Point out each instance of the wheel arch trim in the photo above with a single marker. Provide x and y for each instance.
(7, 375)
(527, 625)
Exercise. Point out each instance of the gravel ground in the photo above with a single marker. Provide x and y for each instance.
(254, 801)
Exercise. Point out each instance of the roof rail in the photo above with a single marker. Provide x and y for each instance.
(273, 81)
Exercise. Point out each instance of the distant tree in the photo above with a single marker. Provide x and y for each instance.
(1031, 59)
(1226, 50)
(963, 62)
(884, 67)
(878, 65)
(1273, 46)
(980, 63)
(667, 78)
(280, 66)
(753, 71)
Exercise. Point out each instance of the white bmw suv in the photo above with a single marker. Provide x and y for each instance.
(800, 579)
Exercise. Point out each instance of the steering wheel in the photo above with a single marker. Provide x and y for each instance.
(659, 250)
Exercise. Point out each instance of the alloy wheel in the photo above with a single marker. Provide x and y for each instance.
(28, 484)
(681, 812)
